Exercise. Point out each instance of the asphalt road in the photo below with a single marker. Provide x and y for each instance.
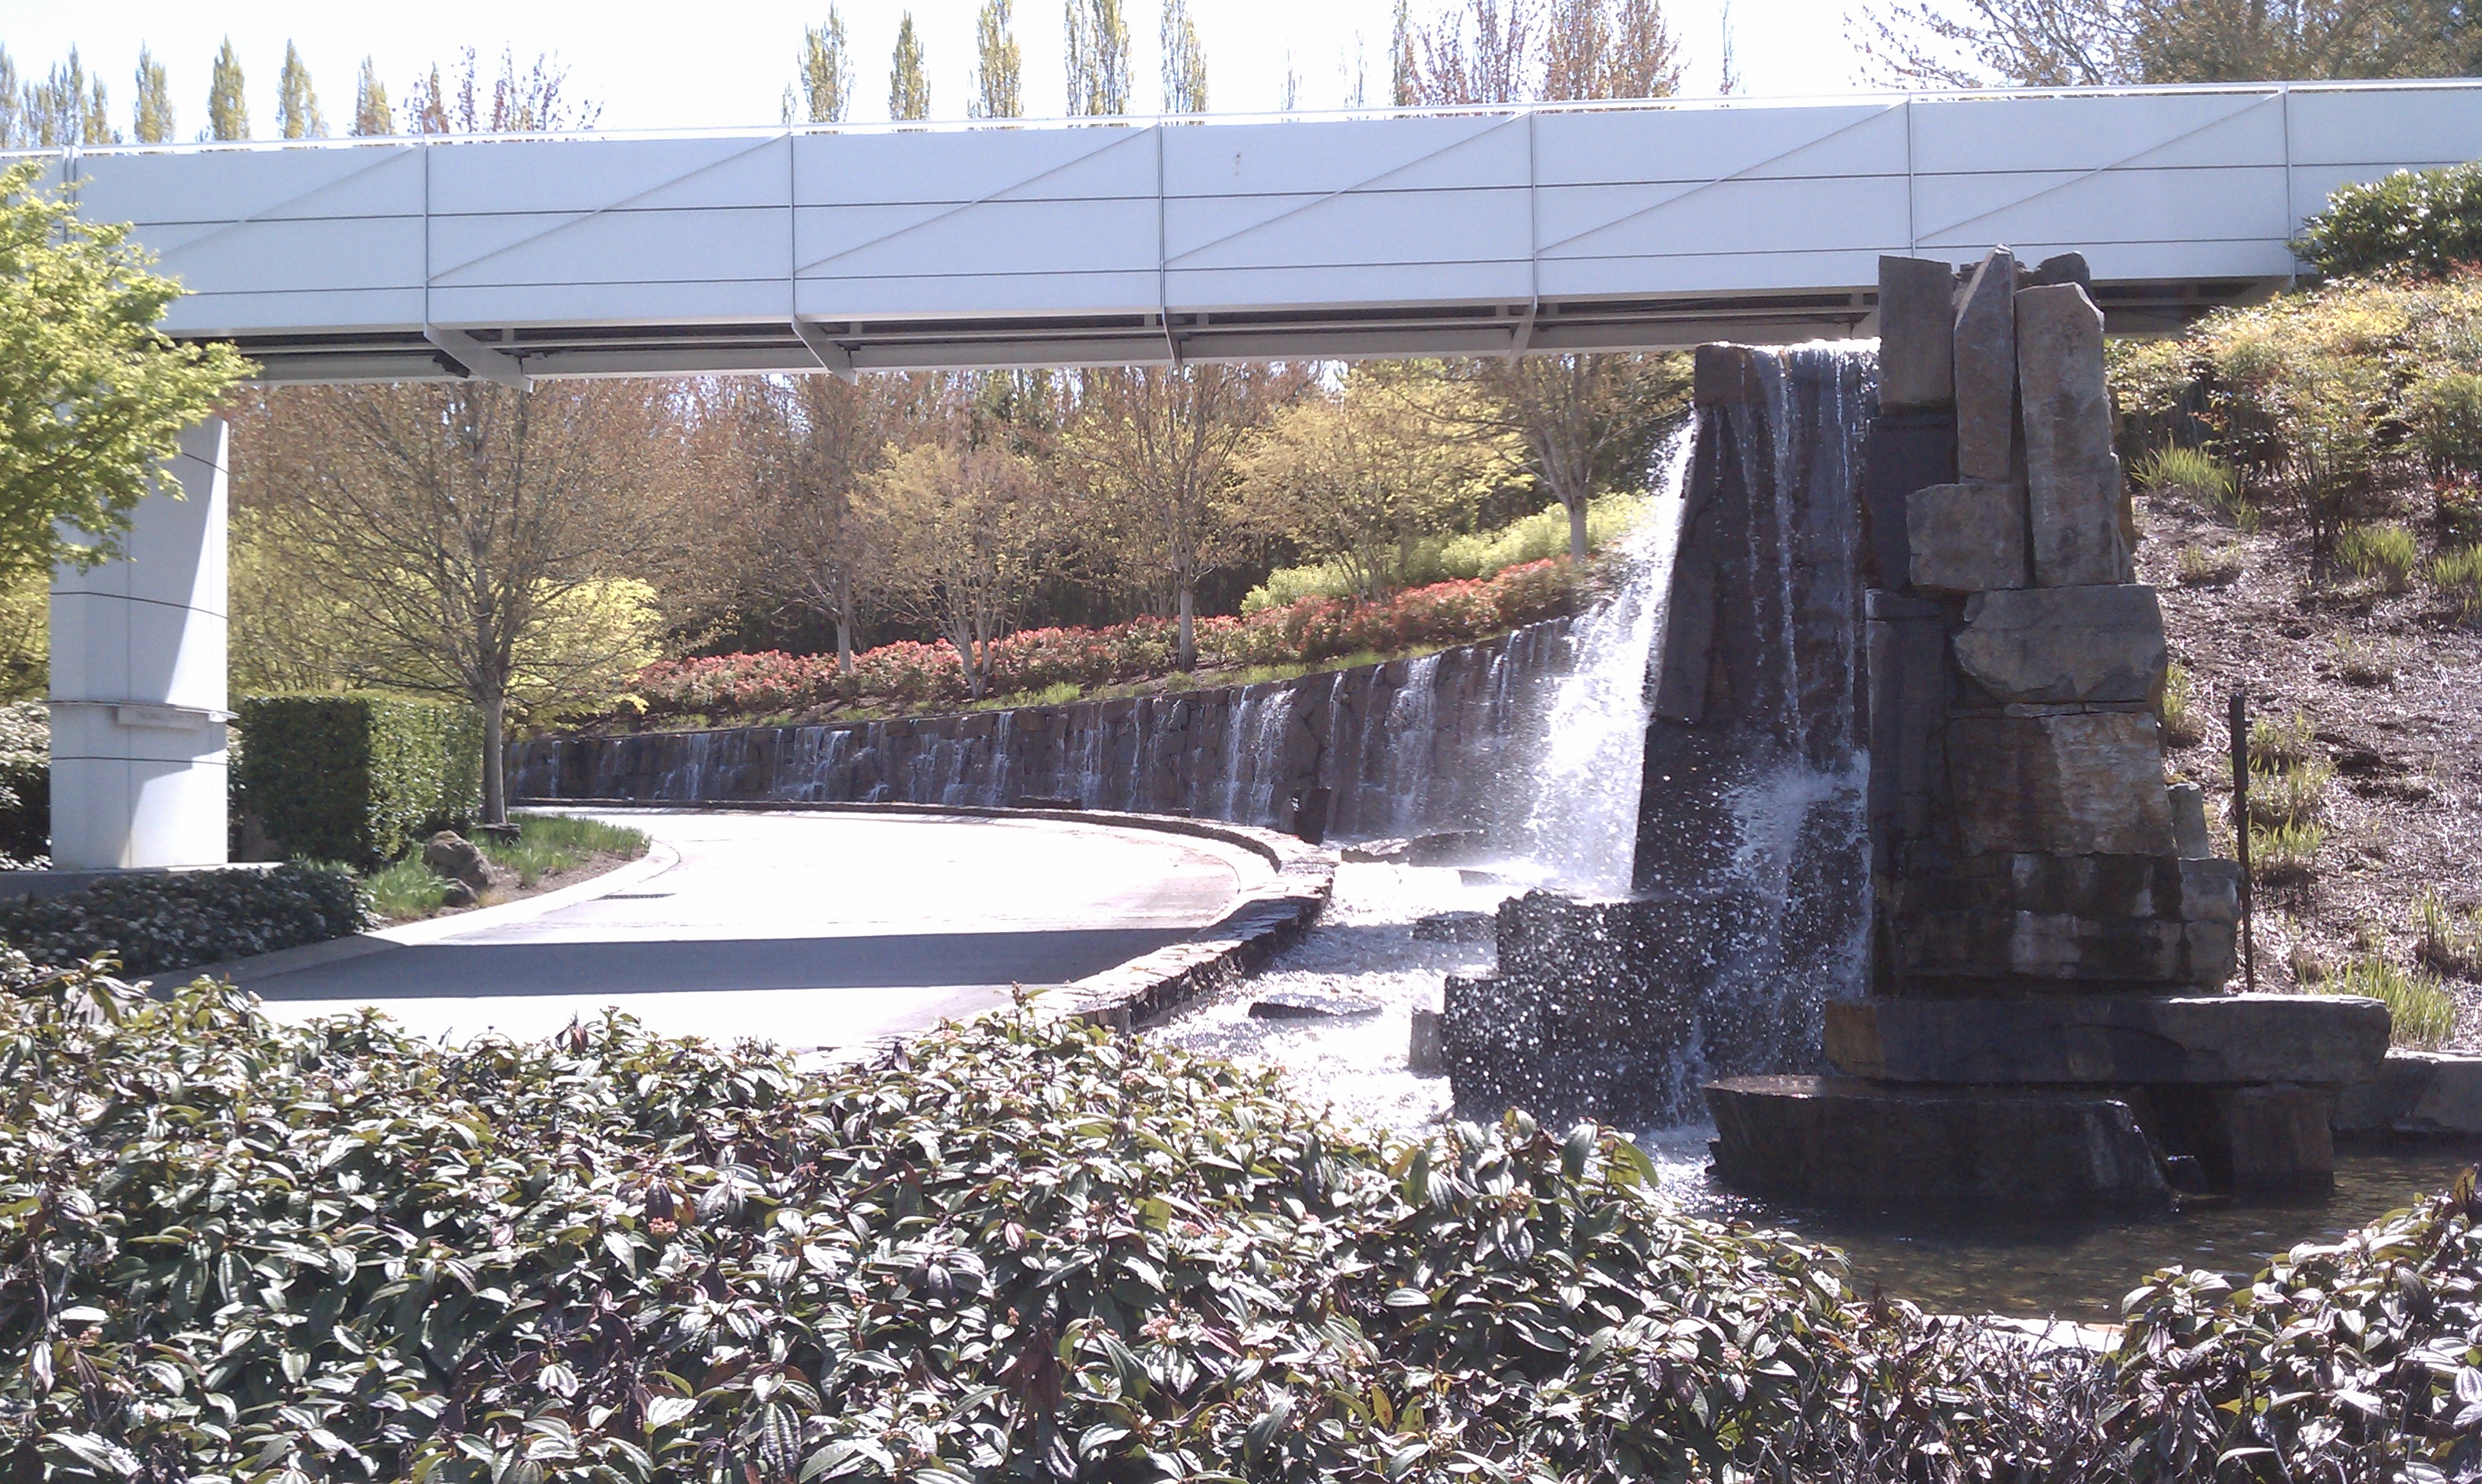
(810, 929)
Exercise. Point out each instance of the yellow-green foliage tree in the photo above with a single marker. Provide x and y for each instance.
(91, 395)
(962, 535)
(1359, 475)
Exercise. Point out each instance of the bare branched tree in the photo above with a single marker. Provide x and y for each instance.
(471, 539)
(2050, 44)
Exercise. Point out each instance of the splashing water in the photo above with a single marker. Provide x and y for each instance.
(1581, 830)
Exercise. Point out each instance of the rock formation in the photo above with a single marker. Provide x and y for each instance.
(2046, 914)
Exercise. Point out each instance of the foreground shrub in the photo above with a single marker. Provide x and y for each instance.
(359, 777)
(25, 783)
(2429, 222)
(1030, 1251)
(2383, 552)
(182, 918)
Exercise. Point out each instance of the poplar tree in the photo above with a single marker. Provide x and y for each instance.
(1645, 59)
(1404, 65)
(997, 65)
(296, 102)
(152, 119)
(227, 110)
(827, 72)
(1608, 49)
(1098, 59)
(1184, 62)
(372, 115)
(66, 109)
(909, 91)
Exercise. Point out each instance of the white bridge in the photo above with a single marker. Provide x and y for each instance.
(1490, 232)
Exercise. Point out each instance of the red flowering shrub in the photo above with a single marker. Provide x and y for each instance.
(911, 675)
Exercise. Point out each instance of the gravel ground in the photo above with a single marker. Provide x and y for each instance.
(2405, 809)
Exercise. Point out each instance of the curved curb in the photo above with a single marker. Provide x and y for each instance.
(243, 972)
(1264, 922)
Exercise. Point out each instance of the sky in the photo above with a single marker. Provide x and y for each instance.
(726, 63)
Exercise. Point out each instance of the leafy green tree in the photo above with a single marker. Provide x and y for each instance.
(152, 119)
(997, 65)
(909, 91)
(827, 73)
(1098, 54)
(228, 108)
(91, 395)
(1184, 62)
(296, 102)
(372, 115)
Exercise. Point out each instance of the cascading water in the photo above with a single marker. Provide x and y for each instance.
(1579, 828)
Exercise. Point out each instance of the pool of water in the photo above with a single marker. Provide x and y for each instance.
(2056, 1266)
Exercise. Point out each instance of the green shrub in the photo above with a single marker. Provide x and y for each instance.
(2284, 742)
(2458, 577)
(2384, 553)
(2421, 1014)
(2282, 854)
(2182, 724)
(2443, 938)
(405, 890)
(2364, 664)
(2445, 412)
(1536, 538)
(2429, 222)
(153, 921)
(549, 843)
(1029, 1250)
(359, 777)
(2192, 472)
(25, 784)
(2200, 566)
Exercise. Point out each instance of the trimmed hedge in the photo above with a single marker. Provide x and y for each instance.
(25, 784)
(359, 777)
(180, 920)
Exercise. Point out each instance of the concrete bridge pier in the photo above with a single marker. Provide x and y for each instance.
(138, 680)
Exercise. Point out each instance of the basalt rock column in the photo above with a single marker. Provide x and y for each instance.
(2043, 921)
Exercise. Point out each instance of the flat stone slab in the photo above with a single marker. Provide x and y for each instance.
(1307, 1004)
(2436, 1093)
(2081, 783)
(1839, 1141)
(2059, 644)
(2112, 1040)
(1966, 539)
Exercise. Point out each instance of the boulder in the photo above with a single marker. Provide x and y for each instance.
(2111, 1039)
(1456, 927)
(2066, 267)
(1422, 1053)
(1966, 537)
(1725, 376)
(2058, 644)
(2074, 783)
(2073, 481)
(1986, 371)
(1917, 333)
(458, 859)
(1844, 1142)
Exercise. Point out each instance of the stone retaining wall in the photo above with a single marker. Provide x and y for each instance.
(1405, 747)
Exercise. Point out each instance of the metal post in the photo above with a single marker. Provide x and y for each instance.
(2239, 721)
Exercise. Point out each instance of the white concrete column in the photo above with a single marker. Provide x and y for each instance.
(138, 680)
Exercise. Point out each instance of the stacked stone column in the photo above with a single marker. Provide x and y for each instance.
(2052, 938)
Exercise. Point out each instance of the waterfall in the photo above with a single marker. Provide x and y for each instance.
(1580, 827)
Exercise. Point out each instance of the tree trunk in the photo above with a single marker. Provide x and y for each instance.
(495, 779)
(1188, 657)
(1577, 528)
(844, 624)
